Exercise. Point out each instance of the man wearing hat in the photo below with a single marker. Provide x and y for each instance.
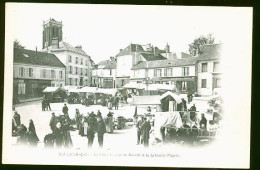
(138, 127)
(145, 131)
(53, 122)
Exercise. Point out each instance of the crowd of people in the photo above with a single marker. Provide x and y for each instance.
(25, 136)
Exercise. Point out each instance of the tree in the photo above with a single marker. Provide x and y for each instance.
(17, 44)
(197, 44)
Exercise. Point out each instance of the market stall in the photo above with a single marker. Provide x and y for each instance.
(55, 94)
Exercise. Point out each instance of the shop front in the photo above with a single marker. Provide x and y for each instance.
(28, 88)
(108, 82)
(184, 85)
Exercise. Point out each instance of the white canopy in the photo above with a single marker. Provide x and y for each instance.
(69, 87)
(107, 91)
(146, 100)
(173, 95)
(74, 90)
(50, 89)
(87, 89)
(133, 85)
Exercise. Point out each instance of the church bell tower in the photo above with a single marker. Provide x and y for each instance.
(52, 30)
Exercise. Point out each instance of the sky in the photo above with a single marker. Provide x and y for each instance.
(102, 30)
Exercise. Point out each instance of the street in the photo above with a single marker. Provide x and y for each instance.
(125, 138)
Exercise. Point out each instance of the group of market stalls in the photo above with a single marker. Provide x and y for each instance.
(76, 93)
(165, 111)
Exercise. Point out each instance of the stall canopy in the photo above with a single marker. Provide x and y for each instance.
(166, 119)
(74, 90)
(107, 91)
(146, 100)
(176, 97)
(69, 87)
(133, 85)
(87, 89)
(51, 89)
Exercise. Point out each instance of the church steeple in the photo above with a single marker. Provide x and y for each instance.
(52, 30)
(167, 48)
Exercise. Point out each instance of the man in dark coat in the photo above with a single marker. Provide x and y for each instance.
(16, 122)
(101, 129)
(65, 109)
(138, 128)
(77, 118)
(90, 134)
(203, 122)
(193, 110)
(48, 106)
(53, 122)
(145, 132)
(43, 104)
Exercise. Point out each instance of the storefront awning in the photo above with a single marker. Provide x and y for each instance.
(51, 89)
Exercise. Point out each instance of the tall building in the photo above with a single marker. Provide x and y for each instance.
(33, 71)
(52, 30)
(209, 69)
(78, 63)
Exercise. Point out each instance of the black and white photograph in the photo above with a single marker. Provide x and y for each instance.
(127, 85)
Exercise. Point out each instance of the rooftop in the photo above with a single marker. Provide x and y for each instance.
(36, 58)
(210, 52)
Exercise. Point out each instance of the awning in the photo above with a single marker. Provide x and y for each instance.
(69, 87)
(74, 90)
(146, 100)
(51, 89)
(107, 91)
(176, 97)
(133, 85)
(87, 89)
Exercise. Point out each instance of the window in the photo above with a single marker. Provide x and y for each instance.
(76, 70)
(76, 61)
(184, 86)
(216, 67)
(216, 83)
(86, 63)
(30, 72)
(21, 88)
(157, 72)
(53, 74)
(70, 81)
(71, 70)
(60, 72)
(81, 71)
(168, 72)
(204, 67)
(81, 61)
(203, 83)
(86, 72)
(70, 58)
(43, 73)
(21, 72)
(185, 71)
(110, 72)
(76, 81)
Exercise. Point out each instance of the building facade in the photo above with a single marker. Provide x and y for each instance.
(209, 69)
(78, 64)
(131, 56)
(34, 71)
(179, 72)
(104, 74)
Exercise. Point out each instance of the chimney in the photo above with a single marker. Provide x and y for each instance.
(120, 50)
(112, 58)
(79, 47)
(35, 52)
(156, 51)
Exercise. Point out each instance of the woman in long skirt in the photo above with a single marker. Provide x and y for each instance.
(32, 136)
